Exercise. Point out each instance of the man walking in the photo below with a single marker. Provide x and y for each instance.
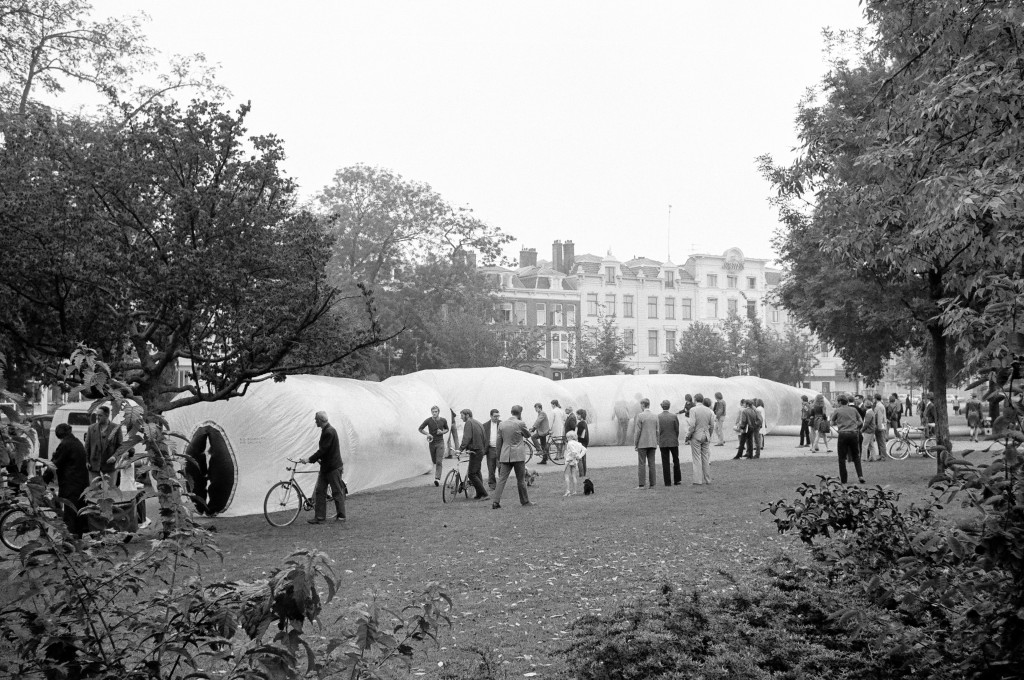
(329, 456)
(668, 442)
(805, 423)
(435, 427)
(645, 441)
(702, 424)
(475, 441)
(719, 411)
(491, 435)
(512, 445)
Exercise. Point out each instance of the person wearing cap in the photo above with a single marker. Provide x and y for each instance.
(102, 440)
(331, 467)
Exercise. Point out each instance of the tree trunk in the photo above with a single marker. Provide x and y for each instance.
(939, 390)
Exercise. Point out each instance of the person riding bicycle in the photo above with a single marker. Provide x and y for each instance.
(331, 467)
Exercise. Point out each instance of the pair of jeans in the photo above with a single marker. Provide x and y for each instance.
(506, 468)
(437, 449)
(332, 479)
(671, 472)
(646, 467)
(805, 432)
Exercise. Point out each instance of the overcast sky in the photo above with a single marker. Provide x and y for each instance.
(550, 119)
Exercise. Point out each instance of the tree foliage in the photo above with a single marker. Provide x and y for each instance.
(743, 347)
(171, 237)
(902, 212)
(601, 350)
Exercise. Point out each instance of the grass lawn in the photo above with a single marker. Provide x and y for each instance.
(519, 576)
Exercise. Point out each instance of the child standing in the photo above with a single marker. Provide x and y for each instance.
(574, 453)
(824, 427)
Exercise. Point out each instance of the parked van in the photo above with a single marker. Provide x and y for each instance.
(78, 417)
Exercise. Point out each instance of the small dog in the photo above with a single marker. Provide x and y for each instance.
(588, 487)
(531, 477)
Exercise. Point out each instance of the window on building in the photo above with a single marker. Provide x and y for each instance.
(628, 340)
(506, 312)
(542, 314)
(591, 304)
(520, 313)
(775, 314)
(670, 279)
(627, 306)
(670, 342)
(570, 315)
(751, 309)
(670, 308)
(652, 343)
(609, 304)
(556, 315)
(685, 309)
(731, 281)
(733, 306)
(712, 310)
(609, 274)
(652, 308)
(751, 283)
(712, 280)
(560, 347)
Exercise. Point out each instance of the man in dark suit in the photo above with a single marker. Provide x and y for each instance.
(668, 442)
(475, 441)
(102, 440)
(491, 437)
(331, 467)
(72, 475)
(513, 438)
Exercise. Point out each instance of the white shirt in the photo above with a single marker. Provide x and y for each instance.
(558, 423)
(494, 435)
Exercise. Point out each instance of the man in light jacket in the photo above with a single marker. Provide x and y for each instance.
(513, 438)
(702, 425)
(646, 443)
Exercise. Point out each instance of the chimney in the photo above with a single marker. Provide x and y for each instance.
(568, 256)
(528, 257)
(556, 256)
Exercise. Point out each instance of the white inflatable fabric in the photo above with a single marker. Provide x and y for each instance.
(376, 424)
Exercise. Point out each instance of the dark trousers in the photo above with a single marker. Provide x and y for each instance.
(805, 432)
(323, 480)
(520, 469)
(541, 442)
(672, 473)
(848, 450)
(492, 466)
(475, 460)
(582, 465)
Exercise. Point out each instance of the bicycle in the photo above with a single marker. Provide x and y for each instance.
(286, 499)
(904, 443)
(454, 482)
(18, 528)
(556, 449)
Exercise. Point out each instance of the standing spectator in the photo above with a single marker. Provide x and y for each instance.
(762, 427)
(512, 444)
(687, 405)
(668, 442)
(435, 428)
(646, 442)
(972, 409)
(956, 404)
(699, 436)
(805, 423)
(719, 410)
(541, 429)
(908, 407)
(817, 415)
(331, 468)
(583, 434)
(102, 440)
(881, 426)
(748, 430)
(848, 421)
(72, 476)
(570, 420)
(867, 443)
(557, 420)
(475, 441)
(574, 453)
(928, 415)
(491, 435)
(895, 412)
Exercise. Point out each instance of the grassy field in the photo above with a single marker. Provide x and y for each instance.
(519, 575)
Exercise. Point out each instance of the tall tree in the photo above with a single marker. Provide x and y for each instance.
(601, 350)
(700, 350)
(174, 237)
(906, 193)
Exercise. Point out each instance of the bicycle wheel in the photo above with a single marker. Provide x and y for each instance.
(15, 534)
(929, 445)
(556, 451)
(450, 488)
(899, 449)
(282, 505)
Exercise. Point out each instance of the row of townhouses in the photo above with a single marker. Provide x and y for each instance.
(652, 303)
